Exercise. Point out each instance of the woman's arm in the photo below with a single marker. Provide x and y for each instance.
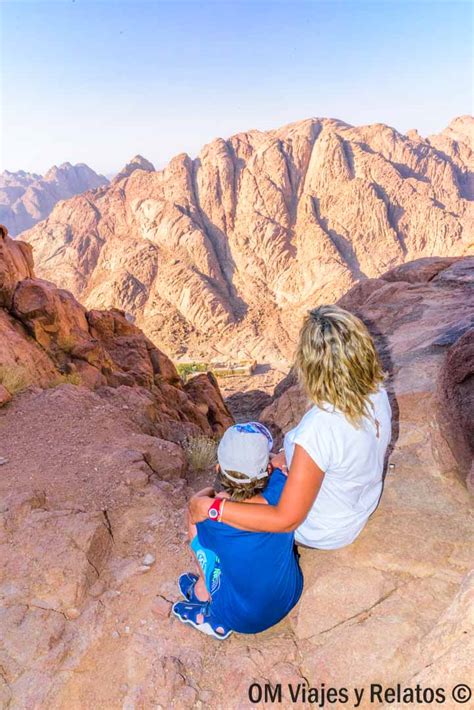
(302, 487)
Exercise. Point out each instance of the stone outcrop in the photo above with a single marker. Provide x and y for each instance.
(222, 254)
(27, 198)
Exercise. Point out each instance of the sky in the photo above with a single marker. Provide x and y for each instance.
(98, 82)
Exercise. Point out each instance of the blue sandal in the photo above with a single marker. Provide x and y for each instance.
(188, 612)
(186, 584)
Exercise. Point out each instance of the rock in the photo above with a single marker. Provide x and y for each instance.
(343, 594)
(72, 613)
(456, 399)
(391, 608)
(202, 391)
(98, 400)
(165, 458)
(444, 657)
(149, 559)
(161, 608)
(16, 263)
(138, 477)
(60, 558)
(248, 405)
(225, 253)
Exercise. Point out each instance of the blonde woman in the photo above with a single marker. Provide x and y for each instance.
(335, 455)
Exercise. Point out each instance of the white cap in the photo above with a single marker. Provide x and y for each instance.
(245, 448)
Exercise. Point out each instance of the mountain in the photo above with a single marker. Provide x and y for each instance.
(136, 163)
(223, 253)
(27, 198)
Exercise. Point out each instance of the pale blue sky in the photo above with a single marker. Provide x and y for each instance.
(98, 82)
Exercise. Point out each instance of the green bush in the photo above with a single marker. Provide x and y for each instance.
(185, 369)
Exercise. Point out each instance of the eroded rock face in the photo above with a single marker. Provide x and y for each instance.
(48, 337)
(26, 198)
(229, 249)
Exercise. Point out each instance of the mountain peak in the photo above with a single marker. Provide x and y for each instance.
(138, 162)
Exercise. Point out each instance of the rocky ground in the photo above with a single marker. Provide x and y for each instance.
(92, 534)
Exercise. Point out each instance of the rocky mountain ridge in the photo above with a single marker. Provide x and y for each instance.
(223, 253)
(26, 198)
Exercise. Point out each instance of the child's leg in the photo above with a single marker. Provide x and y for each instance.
(200, 589)
(211, 570)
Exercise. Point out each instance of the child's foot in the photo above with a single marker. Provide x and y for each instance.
(200, 618)
(193, 588)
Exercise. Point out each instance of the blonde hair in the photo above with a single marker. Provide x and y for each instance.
(239, 491)
(337, 362)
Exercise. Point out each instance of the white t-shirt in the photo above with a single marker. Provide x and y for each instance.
(352, 460)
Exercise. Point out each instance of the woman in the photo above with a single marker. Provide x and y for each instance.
(335, 456)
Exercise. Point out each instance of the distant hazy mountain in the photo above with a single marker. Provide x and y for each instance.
(27, 198)
(226, 252)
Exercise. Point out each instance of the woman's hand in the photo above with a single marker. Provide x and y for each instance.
(224, 495)
(279, 461)
(198, 507)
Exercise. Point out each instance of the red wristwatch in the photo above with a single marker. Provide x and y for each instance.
(214, 512)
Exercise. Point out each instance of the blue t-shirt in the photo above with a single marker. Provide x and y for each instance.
(260, 580)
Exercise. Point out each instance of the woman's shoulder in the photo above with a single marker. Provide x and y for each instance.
(317, 416)
(381, 397)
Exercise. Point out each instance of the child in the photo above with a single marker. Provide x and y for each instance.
(250, 580)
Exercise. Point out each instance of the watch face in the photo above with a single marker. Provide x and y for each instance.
(213, 513)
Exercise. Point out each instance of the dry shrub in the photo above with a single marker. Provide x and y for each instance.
(73, 378)
(201, 452)
(14, 378)
(66, 343)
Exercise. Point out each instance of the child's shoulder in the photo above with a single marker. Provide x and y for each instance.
(274, 487)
